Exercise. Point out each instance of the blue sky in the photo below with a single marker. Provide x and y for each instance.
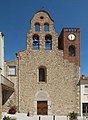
(15, 18)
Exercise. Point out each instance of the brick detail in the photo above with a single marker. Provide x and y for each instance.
(65, 43)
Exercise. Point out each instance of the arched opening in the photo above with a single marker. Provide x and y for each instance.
(42, 103)
(37, 27)
(46, 27)
(35, 43)
(71, 50)
(48, 42)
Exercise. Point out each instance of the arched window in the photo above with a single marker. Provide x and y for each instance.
(48, 42)
(35, 43)
(71, 50)
(46, 27)
(37, 27)
(42, 74)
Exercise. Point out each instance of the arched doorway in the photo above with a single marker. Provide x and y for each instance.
(42, 103)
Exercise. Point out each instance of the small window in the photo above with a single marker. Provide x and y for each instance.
(12, 70)
(35, 43)
(71, 50)
(37, 27)
(85, 109)
(46, 27)
(42, 74)
(48, 42)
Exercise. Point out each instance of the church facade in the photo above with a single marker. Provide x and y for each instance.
(47, 73)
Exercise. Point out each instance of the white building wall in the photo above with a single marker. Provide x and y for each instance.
(2, 52)
(1, 67)
(84, 96)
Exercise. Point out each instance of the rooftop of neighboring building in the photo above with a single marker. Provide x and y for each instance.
(84, 77)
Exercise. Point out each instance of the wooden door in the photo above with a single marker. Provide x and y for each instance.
(42, 108)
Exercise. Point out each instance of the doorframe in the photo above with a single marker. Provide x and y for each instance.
(45, 97)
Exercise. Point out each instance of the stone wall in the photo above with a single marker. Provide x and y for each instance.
(61, 85)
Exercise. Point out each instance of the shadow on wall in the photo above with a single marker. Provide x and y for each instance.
(5, 95)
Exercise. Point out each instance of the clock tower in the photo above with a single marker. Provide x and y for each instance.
(69, 42)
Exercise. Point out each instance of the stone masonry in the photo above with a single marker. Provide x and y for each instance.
(61, 89)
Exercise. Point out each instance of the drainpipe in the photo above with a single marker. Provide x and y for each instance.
(18, 58)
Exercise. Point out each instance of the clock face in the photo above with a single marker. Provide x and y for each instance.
(71, 37)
